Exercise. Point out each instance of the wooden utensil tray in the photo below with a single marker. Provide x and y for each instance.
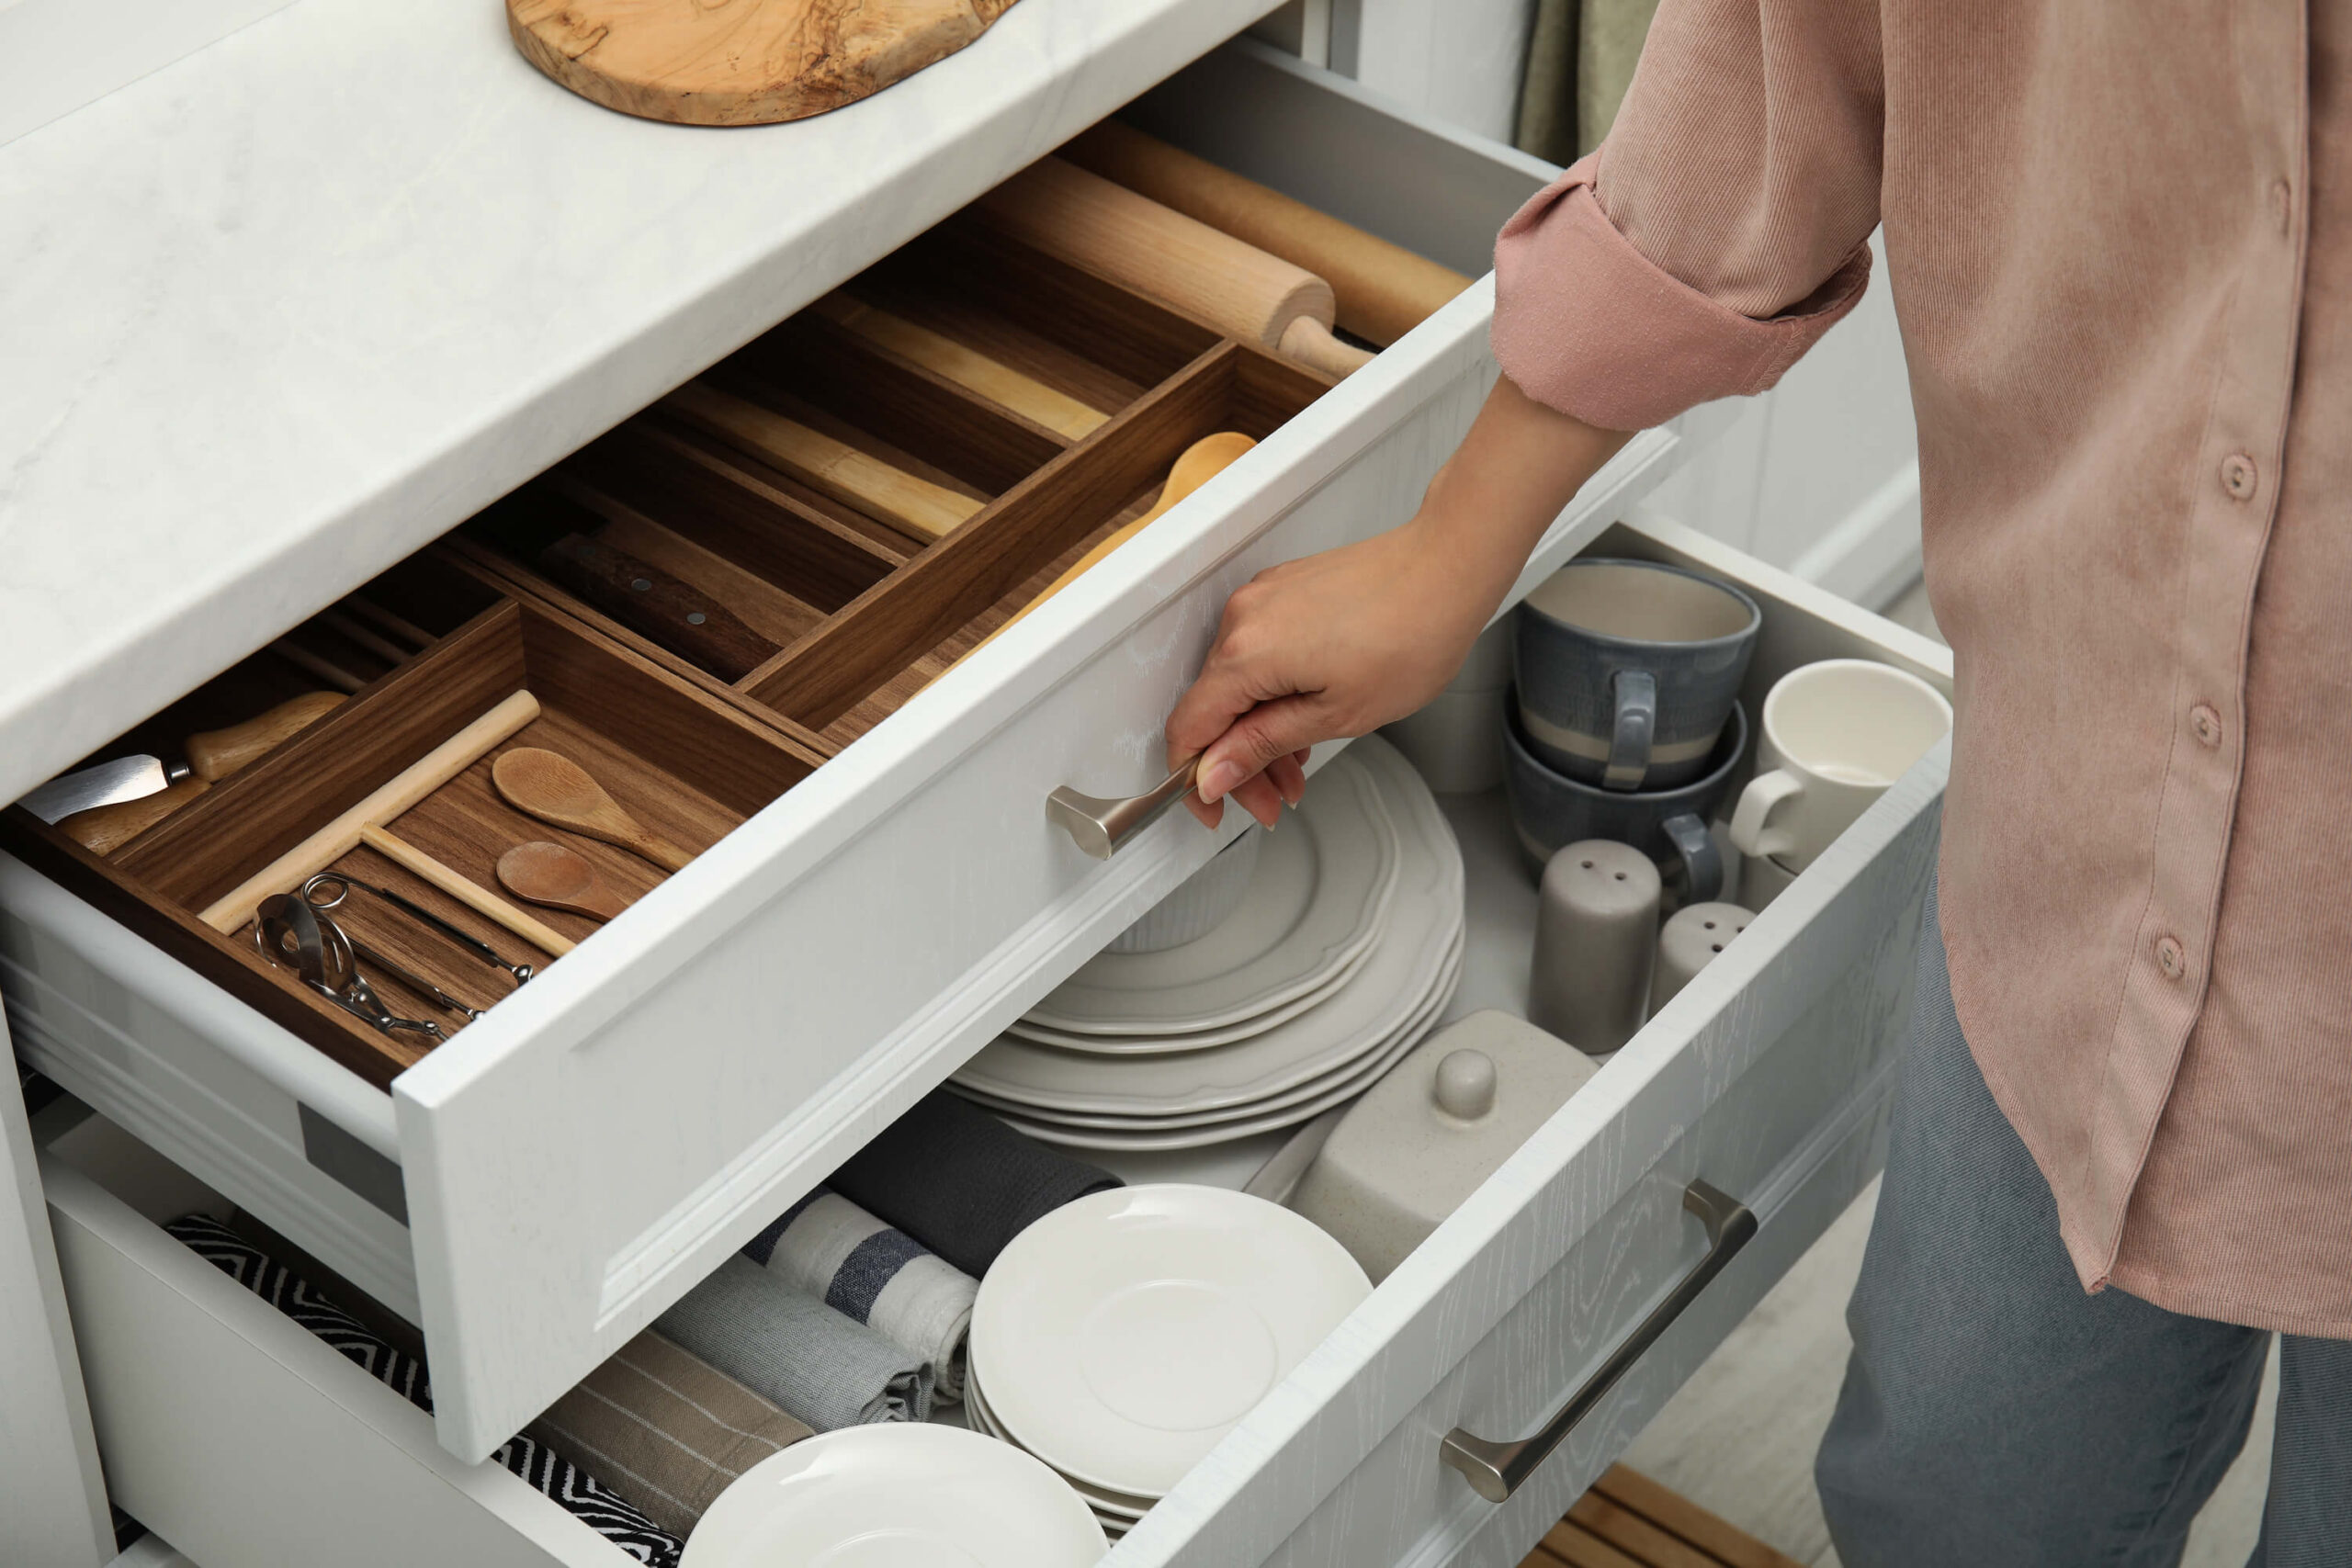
(604, 705)
(865, 609)
(1054, 416)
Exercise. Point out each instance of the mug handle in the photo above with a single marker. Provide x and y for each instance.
(1702, 862)
(1750, 825)
(1635, 692)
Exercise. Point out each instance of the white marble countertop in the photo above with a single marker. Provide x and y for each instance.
(276, 315)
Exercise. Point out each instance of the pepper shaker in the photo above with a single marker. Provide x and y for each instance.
(1596, 944)
(1693, 937)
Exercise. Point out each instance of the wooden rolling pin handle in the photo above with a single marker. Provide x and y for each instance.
(103, 829)
(214, 754)
(1310, 342)
(466, 891)
(403, 790)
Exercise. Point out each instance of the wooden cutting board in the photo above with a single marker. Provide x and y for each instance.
(740, 62)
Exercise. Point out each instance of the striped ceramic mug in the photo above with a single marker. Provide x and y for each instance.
(1628, 669)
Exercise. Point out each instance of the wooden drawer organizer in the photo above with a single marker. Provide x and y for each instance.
(751, 488)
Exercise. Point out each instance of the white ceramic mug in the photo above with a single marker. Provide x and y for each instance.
(1834, 735)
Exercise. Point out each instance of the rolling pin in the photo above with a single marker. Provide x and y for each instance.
(1198, 464)
(1234, 287)
(1384, 291)
(213, 755)
(403, 790)
(967, 368)
(832, 466)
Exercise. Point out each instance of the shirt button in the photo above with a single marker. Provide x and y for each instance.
(2238, 476)
(2206, 724)
(2282, 205)
(2170, 959)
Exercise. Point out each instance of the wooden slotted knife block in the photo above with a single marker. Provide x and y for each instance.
(740, 62)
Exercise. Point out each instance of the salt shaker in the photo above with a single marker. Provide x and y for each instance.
(1596, 943)
(1693, 937)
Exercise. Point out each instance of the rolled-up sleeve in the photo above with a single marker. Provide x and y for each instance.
(1722, 229)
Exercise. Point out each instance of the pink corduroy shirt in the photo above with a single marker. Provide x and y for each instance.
(2120, 238)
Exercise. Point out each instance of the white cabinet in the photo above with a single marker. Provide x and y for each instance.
(538, 1190)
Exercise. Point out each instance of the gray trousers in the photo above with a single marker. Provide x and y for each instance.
(1993, 1414)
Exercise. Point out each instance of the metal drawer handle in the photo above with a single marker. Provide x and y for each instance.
(1099, 827)
(1496, 1470)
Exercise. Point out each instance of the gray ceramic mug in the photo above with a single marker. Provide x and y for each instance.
(1549, 810)
(1628, 669)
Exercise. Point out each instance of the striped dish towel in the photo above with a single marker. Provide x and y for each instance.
(549, 1473)
(833, 1249)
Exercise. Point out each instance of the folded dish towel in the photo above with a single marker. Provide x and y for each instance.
(962, 1182)
(569, 1487)
(794, 1350)
(833, 1249)
(673, 1430)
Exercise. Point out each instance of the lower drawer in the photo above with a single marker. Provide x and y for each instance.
(238, 1436)
(1767, 1078)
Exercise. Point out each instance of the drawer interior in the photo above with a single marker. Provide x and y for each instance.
(706, 603)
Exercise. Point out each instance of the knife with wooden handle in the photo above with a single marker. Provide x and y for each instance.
(105, 807)
(658, 607)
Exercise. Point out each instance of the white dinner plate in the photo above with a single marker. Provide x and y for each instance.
(1191, 1040)
(1108, 1506)
(898, 1494)
(1423, 924)
(1378, 1055)
(1149, 1142)
(1314, 906)
(1125, 1333)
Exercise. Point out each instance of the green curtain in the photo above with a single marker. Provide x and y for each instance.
(1580, 56)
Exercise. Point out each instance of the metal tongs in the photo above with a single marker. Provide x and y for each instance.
(290, 932)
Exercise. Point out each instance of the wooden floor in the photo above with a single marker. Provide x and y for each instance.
(1627, 1520)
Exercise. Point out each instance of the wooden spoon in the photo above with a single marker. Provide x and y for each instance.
(558, 790)
(541, 873)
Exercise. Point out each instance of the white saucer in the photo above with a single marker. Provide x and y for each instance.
(1314, 906)
(1424, 922)
(898, 1494)
(1125, 1333)
(1123, 1507)
(1379, 1052)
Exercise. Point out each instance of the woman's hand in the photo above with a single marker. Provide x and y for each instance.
(1340, 644)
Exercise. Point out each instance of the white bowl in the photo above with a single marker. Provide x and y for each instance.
(1201, 905)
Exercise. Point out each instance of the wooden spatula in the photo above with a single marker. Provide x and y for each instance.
(556, 790)
(542, 873)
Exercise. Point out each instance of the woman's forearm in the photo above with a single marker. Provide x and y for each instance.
(1342, 643)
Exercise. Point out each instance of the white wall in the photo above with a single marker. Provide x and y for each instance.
(1455, 60)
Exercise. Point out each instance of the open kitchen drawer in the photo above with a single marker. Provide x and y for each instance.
(539, 1188)
(1767, 1078)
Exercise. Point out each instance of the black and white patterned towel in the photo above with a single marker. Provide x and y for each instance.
(571, 1488)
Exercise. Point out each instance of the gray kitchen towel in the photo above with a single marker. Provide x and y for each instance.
(833, 1249)
(960, 1181)
(792, 1349)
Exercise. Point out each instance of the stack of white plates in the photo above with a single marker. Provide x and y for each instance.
(1338, 960)
(1120, 1336)
(899, 1495)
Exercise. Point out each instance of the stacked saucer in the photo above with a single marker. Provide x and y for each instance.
(1339, 958)
(1120, 1336)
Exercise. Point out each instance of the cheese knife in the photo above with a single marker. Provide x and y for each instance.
(105, 806)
